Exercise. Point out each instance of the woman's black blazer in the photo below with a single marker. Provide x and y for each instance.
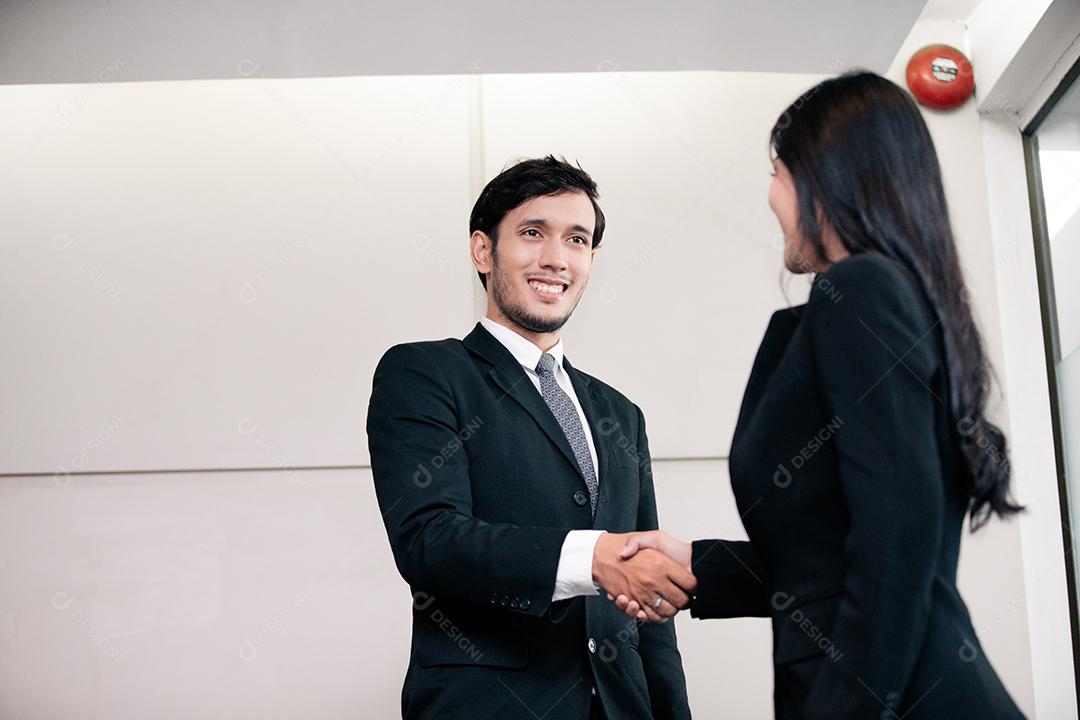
(847, 473)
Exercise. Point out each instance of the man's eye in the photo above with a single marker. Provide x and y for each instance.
(531, 232)
(578, 239)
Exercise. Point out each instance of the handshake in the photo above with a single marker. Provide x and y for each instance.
(647, 574)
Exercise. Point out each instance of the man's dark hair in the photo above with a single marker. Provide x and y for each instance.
(523, 181)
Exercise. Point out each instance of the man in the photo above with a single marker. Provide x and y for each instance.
(498, 468)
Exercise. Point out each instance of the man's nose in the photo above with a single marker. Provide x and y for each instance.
(553, 255)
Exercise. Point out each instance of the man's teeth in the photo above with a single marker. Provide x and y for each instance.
(547, 289)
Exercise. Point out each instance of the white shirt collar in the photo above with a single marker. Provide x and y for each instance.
(523, 350)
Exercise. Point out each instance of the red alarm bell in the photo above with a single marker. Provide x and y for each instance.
(940, 77)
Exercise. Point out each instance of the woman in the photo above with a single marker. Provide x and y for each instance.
(861, 442)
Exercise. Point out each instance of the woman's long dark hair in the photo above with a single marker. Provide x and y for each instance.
(862, 159)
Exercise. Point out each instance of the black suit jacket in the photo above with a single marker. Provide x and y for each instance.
(478, 488)
(845, 468)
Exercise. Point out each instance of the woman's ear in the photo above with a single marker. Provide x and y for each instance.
(480, 251)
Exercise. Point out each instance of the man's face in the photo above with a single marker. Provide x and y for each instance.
(540, 264)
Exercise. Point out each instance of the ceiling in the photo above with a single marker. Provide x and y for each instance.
(128, 40)
(949, 10)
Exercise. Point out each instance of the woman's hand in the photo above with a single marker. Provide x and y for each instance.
(674, 548)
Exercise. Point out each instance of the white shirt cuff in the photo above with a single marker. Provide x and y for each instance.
(574, 578)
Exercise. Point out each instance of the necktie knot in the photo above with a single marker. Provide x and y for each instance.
(546, 364)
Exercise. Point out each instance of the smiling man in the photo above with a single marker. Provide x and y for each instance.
(508, 480)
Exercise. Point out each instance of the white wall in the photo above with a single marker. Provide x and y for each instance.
(256, 207)
(211, 595)
(1025, 50)
(203, 274)
(247, 593)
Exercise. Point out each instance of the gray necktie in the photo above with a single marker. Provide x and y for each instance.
(563, 408)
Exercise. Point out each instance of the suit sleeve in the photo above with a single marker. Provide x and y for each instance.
(731, 580)
(659, 649)
(420, 467)
(876, 358)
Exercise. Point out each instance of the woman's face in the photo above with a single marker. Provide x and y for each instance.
(798, 254)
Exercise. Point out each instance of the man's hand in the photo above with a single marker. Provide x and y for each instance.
(658, 585)
(674, 548)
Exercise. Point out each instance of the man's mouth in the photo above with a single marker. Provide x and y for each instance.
(548, 287)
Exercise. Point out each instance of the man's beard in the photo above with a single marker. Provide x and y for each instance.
(518, 314)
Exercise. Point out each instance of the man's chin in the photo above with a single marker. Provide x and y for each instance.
(540, 322)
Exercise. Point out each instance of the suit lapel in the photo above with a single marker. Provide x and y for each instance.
(782, 326)
(512, 380)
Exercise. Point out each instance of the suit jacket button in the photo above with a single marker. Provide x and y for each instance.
(524, 604)
(592, 645)
(581, 499)
(514, 603)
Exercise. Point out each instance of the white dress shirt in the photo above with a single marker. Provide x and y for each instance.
(574, 574)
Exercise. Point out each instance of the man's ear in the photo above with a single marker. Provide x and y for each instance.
(480, 251)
